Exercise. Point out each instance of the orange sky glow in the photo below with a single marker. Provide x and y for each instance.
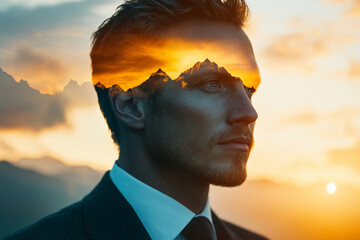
(181, 54)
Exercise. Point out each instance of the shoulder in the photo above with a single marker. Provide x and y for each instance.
(227, 230)
(243, 233)
(65, 224)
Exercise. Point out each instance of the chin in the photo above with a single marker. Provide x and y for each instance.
(228, 179)
(229, 173)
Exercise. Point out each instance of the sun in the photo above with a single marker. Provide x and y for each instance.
(331, 188)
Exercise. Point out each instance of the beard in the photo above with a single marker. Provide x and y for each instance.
(196, 157)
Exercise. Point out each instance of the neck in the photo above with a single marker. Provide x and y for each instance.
(179, 185)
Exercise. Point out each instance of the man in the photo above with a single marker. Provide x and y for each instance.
(189, 125)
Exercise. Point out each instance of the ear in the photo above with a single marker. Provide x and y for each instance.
(128, 109)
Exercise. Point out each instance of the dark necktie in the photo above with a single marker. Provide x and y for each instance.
(199, 228)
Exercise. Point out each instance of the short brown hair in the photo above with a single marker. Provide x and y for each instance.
(150, 18)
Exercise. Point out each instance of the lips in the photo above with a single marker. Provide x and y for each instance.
(239, 143)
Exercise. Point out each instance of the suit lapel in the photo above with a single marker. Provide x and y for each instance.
(222, 231)
(107, 214)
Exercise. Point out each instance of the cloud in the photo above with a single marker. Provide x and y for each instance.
(302, 164)
(17, 20)
(353, 6)
(58, 30)
(5, 4)
(297, 49)
(309, 116)
(6, 147)
(355, 9)
(302, 46)
(28, 58)
(346, 120)
(354, 70)
(349, 157)
(24, 107)
(306, 116)
(44, 70)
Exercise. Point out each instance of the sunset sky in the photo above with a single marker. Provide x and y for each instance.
(308, 52)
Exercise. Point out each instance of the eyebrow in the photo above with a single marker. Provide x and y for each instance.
(194, 78)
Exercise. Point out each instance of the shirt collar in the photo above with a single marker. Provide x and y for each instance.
(155, 209)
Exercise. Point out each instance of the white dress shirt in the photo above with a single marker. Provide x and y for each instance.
(162, 216)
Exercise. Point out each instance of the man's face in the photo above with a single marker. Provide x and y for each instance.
(204, 127)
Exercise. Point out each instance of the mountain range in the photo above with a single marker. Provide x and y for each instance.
(26, 194)
(160, 76)
(22, 106)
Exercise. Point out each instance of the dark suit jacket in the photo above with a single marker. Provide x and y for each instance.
(105, 214)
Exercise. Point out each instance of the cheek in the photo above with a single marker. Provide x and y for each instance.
(196, 114)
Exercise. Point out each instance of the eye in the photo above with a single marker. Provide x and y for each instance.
(212, 86)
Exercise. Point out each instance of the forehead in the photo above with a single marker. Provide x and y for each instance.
(226, 45)
(179, 48)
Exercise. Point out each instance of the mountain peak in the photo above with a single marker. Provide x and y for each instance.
(159, 71)
(199, 67)
(154, 81)
(100, 85)
(71, 84)
(207, 61)
(24, 83)
(5, 77)
(159, 75)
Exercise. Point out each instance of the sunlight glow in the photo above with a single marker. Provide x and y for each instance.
(331, 188)
(181, 54)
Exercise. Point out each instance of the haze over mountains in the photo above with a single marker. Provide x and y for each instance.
(38, 188)
(80, 177)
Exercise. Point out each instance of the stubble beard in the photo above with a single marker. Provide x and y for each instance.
(185, 156)
(181, 155)
(232, 177)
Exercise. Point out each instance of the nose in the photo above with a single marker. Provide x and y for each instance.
(242, 110)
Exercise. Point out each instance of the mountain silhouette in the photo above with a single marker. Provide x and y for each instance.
(157, 78)
(22, 106)
(200, 67)
(27, 195)
(54, 167)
